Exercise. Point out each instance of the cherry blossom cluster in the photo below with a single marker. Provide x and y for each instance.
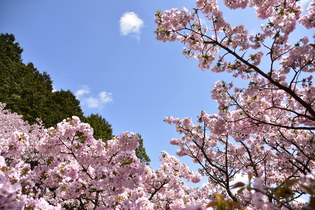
(166, 186)
(65, 167)
(265, 130)
(309, 20)
(70, 168)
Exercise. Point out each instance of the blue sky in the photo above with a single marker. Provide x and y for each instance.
(113, 62)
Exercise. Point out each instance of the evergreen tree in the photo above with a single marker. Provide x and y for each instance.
(63, 104)
(22, 87)
(141, 153)
(9, 48)
(102, 129)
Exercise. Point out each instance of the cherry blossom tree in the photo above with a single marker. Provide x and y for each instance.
(64, 167)
(265, 131)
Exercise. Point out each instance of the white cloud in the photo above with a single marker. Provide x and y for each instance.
(54, 89)
(94, 102)
(130, 24)
(105, 97)
(83, 91)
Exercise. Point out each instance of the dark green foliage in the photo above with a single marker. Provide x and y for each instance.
(9, 49)
(63, 104)
(141, 154)
(102, 129)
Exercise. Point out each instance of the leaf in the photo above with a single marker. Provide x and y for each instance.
(312, 202)
(307, 189)
(93, 190)
(219, 196)
(4, 169)
(232, 205)
(50, 160)
(283, 192)
(126, 162)
(212, 204)
(241, 190)
(238, 184)
(291, 182)
(250, 176)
